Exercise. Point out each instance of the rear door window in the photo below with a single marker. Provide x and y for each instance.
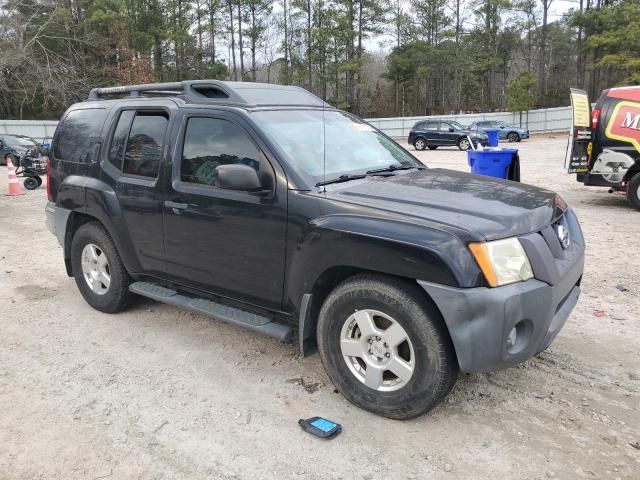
(77, 135)
(137, 143)
(431, 126)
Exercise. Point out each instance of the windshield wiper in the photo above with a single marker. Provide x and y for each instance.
(393, 168)
(340, 179)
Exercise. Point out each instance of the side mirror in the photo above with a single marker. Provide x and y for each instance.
(451, 129)
(238, 177)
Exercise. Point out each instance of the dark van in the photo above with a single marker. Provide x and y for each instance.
(613, 149)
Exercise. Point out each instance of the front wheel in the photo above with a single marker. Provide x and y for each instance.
(633, 191)
(98, 270)
(513, 137)
(464, 144)
(10, 157)
(385, 347)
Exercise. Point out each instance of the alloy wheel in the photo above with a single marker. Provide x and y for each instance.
(95, 269)
(377, 350)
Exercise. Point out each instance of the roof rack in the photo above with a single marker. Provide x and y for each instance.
(248, 94)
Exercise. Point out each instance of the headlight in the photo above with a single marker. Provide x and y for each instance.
(502, 261)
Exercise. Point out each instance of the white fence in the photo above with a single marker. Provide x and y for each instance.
(38, 129)
(537, 121)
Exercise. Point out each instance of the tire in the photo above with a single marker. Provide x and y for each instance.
(39, 180)
(427, 349)
(10, 157)
(419, 143)
(432, 147)
(513, 137)
(633, 191)
(30, 183)
(464, 144)
(116, 296)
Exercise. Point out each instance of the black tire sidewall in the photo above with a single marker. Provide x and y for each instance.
(425, 388)
(118, 294)
(515, 139)
(30, 183)
(632, 191)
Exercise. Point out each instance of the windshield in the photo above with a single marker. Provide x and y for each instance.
(457, 125)
(344, 145)
(22, 141)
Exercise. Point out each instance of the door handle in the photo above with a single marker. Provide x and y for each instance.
(176, 206)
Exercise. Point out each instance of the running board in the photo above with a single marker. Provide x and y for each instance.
(228, 314)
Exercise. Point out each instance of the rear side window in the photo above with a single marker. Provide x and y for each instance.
(136, 146)
(431, 126)
(209, 142)
(77, 135)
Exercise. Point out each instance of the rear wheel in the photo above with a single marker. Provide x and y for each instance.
(513, 137)
(419, 143)
(464, 144)
(385, 347)
(633, 191)
(98, 270)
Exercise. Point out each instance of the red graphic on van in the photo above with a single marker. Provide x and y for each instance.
(625, 123)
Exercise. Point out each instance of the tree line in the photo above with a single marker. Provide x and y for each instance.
(371, 57)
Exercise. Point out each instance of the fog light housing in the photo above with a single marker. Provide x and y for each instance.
(518, 338)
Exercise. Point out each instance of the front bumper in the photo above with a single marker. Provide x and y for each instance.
(480, 319)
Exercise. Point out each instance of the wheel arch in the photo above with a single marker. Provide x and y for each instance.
(633, 170)
(76, 220)
(326, 283)
(513, 132)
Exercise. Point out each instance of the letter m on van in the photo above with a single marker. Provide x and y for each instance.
(624, 124)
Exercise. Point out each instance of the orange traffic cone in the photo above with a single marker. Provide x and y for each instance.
(14, 187)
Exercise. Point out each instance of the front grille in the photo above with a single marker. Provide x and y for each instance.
(549, 260)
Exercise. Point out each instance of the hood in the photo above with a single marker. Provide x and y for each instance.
(486, 208)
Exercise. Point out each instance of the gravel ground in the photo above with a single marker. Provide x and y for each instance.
(157, 393)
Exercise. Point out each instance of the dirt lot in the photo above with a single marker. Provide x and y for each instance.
(156, 393)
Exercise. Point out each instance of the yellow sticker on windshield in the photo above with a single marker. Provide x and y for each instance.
(361, 127)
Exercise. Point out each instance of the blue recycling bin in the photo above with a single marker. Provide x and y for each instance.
(492, 162)
(494, 137)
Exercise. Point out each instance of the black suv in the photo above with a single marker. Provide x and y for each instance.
(432, 134)
(264, 207)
